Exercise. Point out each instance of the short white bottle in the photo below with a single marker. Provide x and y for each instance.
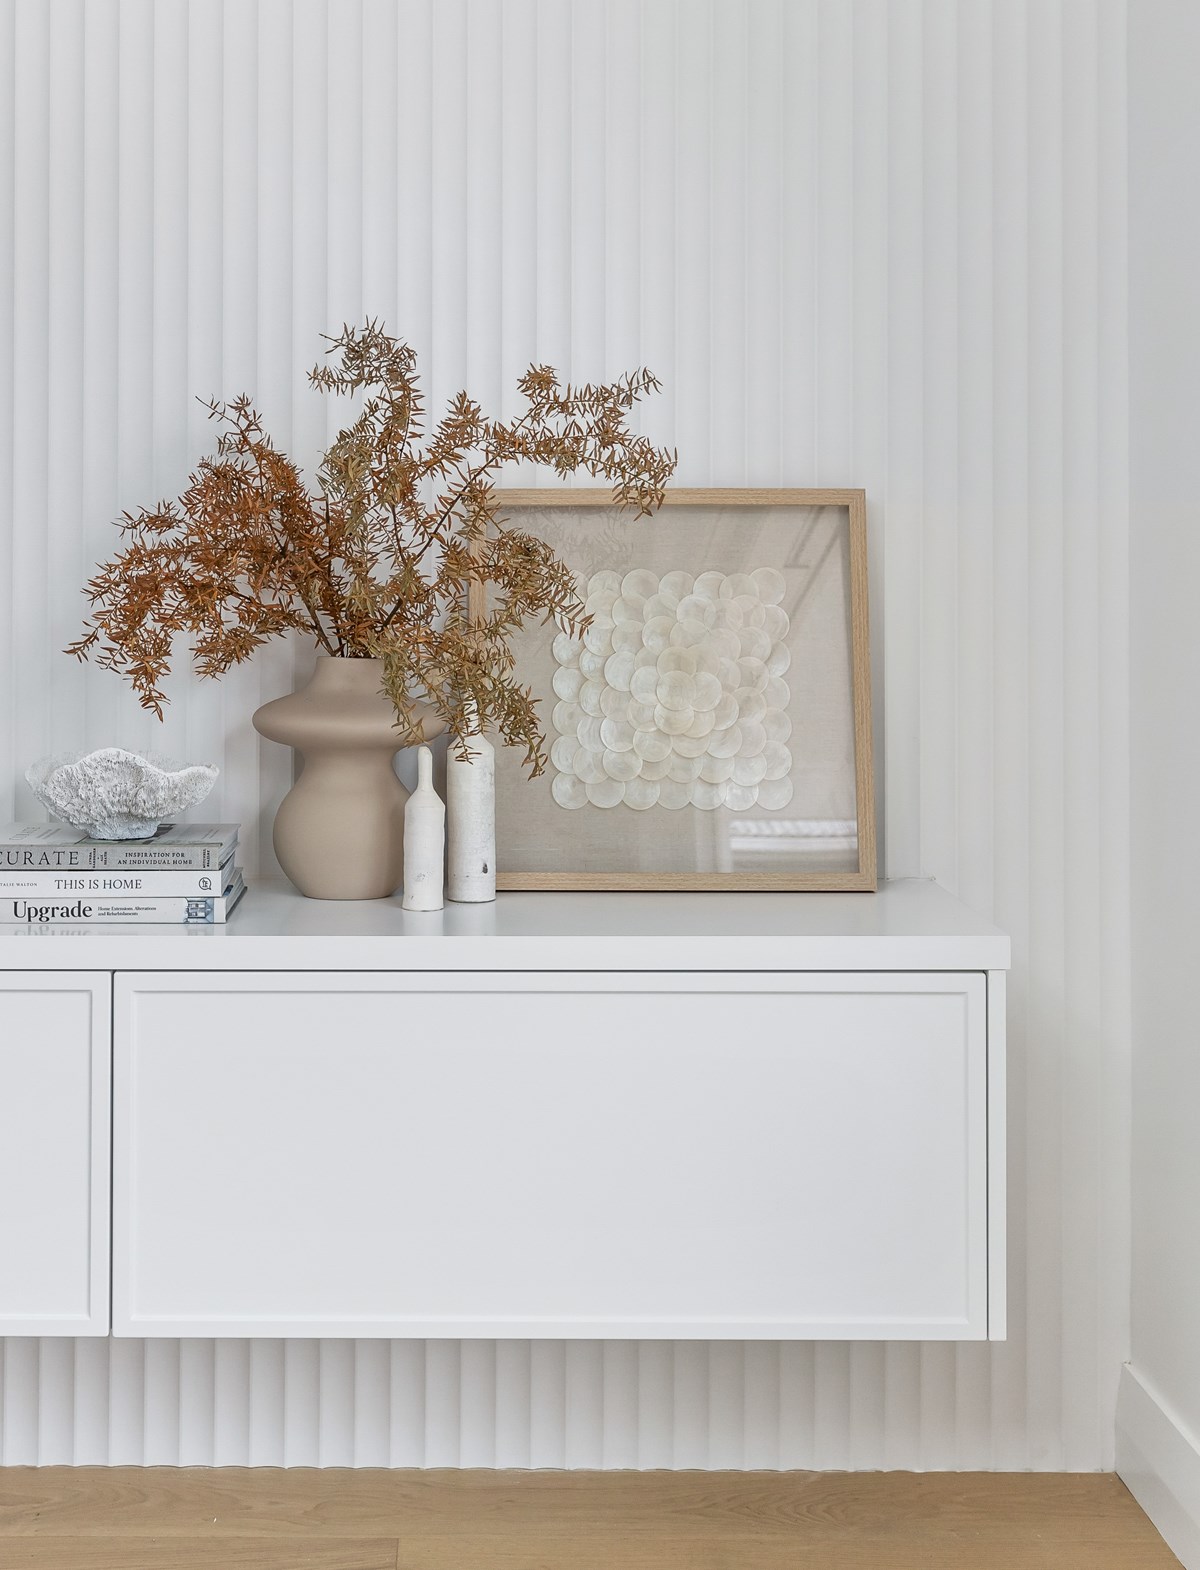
(471, 822)
(424, 840)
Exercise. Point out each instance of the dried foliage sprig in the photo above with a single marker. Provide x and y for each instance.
(380, 560)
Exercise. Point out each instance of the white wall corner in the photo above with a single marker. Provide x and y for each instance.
(1159, 1462)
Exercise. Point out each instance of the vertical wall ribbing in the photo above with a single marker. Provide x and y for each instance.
(876, 243)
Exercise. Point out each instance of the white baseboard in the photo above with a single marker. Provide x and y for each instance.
(1159, 1462)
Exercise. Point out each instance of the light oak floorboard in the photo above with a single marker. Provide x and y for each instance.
(173, 1553)
(689, 1553)
(141, 1519)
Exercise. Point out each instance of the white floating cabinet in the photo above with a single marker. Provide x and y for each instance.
(609, 1116)
(611, 1155)
(54, 1153)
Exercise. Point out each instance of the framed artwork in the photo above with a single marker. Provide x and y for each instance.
(712, 727)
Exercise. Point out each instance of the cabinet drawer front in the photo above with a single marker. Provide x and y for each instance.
(551, 1155)
(54, 1153)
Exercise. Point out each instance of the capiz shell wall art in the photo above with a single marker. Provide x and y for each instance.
(711, 729)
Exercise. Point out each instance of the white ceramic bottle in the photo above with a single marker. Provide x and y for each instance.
(471, 823)
(424, 840)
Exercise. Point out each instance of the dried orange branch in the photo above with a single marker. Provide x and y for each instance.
(365, 565)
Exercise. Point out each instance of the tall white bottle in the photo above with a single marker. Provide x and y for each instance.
(471, 823)
(424, 840)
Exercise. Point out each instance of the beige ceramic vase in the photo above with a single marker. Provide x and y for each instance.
(339, 831)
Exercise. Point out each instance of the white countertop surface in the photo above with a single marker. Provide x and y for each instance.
(911, 924)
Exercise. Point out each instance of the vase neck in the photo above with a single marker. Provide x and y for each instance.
(335, 673)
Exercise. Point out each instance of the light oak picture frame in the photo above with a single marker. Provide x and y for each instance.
(541, 846)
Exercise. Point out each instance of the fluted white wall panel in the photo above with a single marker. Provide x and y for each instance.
(875, 242)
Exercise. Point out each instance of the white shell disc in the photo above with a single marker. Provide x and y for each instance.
(675, 690)
(726, 712)
(707, 692)
(700, 726)
(589, 766)
(655, 768)
(726, 743)
(651, 745)
(622, 765)
(618, 670)
(605, 793)
(589, 697)
(598, 638)
(641, 715)
(673, 721)
(689, 634)
(753, 674)
(638, 585)
(714, 770)
(641, 793)
(589, 732)
(566, 649)
(775, 623)
(605, 582)
(708, 795)
(626, 613)
(770, 584)
(656, 634)
(754, 739)
(627, 637)
(708, 585)
(569, 792)
(754, 642)
(643, 685)
(754, 612)
(694, 607)
(739, 798)
(684, 770)
(777, 761)
(773, 794)
(590, 663)
(660, 604)
(618, 735)
(567, 681)
(678, 584)
(673, 794)
(749, 771)
(738, 583)
(779, 659)
(562, 754)
(614, 704)
(682, 660)
(777, 725)
(686, 746)
(566, 717)
(751, 705)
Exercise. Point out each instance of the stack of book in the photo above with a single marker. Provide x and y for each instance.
(185, 873)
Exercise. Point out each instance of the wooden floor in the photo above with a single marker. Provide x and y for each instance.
(58, 1518)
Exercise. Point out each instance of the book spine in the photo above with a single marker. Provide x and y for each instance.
(113, 885)
(113, 858)
(98, 912)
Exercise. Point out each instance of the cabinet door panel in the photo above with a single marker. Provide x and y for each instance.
(54, 1153)
(549, 1155)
